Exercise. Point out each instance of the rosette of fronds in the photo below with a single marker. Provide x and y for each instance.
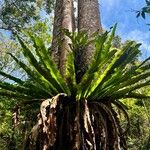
(79, 115)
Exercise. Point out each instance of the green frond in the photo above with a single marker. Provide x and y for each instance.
(90, 76)
(97, 58)
(32, 91)
(145, 61)
(100, 77)
(29, 87)
(132, 95)
(130, 54)
(39, 69)
(15, 95)
(40, 80)
(51, 69)
(17, 80)
(107, 44)
(70, 75)
(96, 63)
(132, 88)
(123, 76)
(12, 87)
(112, 73)
(79, 40)
(129, 82)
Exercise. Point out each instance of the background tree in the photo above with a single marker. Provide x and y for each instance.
(6, 46)
(16, 14)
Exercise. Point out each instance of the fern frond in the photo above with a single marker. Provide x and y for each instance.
(17, 80)
(49, 65)
(40, 80)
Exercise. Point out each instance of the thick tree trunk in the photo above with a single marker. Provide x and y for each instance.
(89, 21)
(89, 16)
(63, 20)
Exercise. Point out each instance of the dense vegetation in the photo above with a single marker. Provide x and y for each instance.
(111, 96)
(112, 75)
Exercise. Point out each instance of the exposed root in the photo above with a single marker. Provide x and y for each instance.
(66, 124)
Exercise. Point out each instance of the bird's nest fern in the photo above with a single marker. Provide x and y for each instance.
(79, 115)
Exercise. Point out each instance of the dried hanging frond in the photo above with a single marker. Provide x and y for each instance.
(81, 125)
(43, 134)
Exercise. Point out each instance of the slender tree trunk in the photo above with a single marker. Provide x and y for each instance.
(63, 20)
(89, 21)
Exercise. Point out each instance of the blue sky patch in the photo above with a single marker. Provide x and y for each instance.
(123, 12)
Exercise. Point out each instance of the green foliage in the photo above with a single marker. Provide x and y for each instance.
(5, 117)
(12, 138)
(6, 128)
(110, 68)
(139, 133)
(144, 11)
(16, 14)
(7, 45)
(40, 28)
(110, 76)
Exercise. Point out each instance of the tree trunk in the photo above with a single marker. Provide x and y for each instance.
(89, 21)
(63, 122)
(63, 20)
(89, 16)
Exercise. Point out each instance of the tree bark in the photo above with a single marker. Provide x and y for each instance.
(89, 21)
(63, 20)
(89, 16)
